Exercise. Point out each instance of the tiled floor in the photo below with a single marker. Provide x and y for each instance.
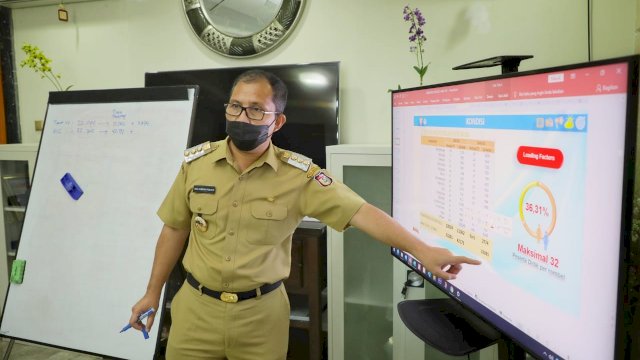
(24, 351)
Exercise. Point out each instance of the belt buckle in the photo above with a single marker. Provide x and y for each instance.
(229, 297)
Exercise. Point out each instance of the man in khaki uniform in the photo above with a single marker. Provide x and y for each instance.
(239, 201)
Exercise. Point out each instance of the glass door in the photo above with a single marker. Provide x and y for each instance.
(17, 162)
(14, 178)
(360, 269)
(368, 273)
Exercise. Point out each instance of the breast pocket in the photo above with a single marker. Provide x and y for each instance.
(270, 225)
(206, 208)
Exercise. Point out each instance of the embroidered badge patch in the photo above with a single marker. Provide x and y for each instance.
(204, 189)
(323, 179)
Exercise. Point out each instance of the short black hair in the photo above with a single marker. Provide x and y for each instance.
(278, 88)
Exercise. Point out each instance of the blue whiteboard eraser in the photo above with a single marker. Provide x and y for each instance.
(71, 186)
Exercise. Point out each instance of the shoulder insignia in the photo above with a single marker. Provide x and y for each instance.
(197, 151)
(296, 160)
(323, 179)
(312, 170)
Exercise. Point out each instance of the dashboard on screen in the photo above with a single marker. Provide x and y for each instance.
(528, 173)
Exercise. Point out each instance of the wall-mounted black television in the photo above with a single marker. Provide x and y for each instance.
(312, 106)
(532, 173)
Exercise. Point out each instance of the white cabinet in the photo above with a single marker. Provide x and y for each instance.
(17, 163)
(359, 269)
(364, 279)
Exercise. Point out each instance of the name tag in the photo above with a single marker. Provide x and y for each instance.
(204, 189)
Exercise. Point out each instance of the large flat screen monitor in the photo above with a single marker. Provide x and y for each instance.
(312, 106)
(532, 174)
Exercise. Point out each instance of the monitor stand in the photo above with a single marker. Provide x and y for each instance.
(508, 63)
(450, 328)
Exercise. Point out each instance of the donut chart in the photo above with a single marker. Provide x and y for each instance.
(539, 215)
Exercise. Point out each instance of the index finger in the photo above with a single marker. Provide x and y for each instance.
(150, 321)
(466, 260)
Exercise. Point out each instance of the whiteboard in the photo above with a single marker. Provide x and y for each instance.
(89, 260)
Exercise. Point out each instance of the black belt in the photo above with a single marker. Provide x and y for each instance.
(229, 296)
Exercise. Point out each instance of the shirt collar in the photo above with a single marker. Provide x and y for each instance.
(271, 157)
(221, 151)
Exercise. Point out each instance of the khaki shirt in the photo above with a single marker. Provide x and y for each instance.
(250, 216)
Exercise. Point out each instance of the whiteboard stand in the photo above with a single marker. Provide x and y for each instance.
(7, 352)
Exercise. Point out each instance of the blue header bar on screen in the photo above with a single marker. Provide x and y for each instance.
(540, 122)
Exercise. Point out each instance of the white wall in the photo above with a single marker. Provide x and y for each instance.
(614, 24)
(112, 43)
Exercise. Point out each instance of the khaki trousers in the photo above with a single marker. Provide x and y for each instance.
(206, 328)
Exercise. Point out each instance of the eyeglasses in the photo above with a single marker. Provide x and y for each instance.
(253, 112)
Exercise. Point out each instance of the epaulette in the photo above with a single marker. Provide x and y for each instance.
(197, 151)
(296, 160)
(313, 170)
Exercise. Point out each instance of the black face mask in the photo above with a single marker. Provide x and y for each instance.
(245, 136)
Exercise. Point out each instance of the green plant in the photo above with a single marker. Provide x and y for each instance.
(37, 61)
(416, 38)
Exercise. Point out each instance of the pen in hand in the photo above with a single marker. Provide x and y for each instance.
(142, 316)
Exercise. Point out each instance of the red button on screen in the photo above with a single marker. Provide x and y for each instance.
(537, 156)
